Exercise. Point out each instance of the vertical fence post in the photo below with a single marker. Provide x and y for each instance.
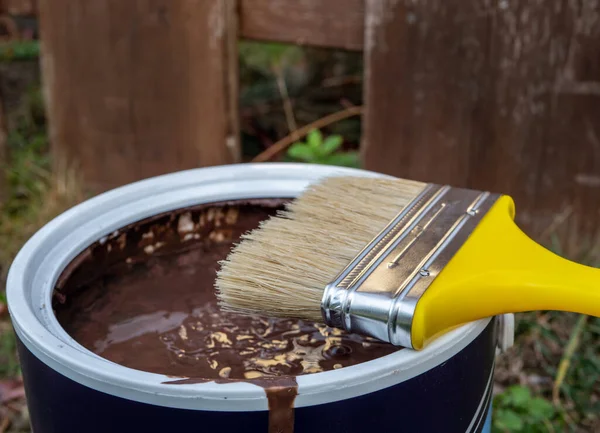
(140, 88)
(417, 92)
(502, 96)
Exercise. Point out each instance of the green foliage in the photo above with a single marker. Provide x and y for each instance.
(543, 343)
(19, 50)
(317, 150)
(29, 169)
(518, 411)
(265, 57)
(26, 175)
(260, 64)
(9, 364)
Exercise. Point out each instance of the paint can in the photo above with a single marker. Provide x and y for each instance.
(447, 387)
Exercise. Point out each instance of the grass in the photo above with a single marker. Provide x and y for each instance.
(533, 364)
(19, 50)
(34, 196)
(556, 360)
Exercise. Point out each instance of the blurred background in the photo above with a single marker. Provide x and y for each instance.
(491, 94)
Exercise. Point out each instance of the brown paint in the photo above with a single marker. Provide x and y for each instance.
(144, 298)
(281, 393)
(281, 406)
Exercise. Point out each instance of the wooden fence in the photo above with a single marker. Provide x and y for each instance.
(492, 94)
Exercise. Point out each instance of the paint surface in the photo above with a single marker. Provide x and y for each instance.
(144, 298)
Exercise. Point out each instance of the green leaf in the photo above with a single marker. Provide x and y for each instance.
(314, 139)
(540, 408)
(331, 144)
(507, 420)
(348, 159)
(301, 151)
(519, 395)
(19, 50)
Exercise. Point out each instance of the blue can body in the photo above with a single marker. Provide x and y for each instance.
(452, 397)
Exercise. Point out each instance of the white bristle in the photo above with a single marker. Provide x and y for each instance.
(281, 268)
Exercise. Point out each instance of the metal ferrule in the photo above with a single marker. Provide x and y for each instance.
(377, 293)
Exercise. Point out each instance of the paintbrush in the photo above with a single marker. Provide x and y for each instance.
(398, 260)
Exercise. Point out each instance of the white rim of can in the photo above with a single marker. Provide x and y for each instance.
(38, 265)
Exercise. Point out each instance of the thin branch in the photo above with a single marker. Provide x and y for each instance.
(565, 362)
(282, 144)
(558, 221)
(341, 81)
(285, 97)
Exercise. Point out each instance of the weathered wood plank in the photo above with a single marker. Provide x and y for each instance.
(419, 89)
(331, 23)
(18, 7)
(137, 89)
(502, 97)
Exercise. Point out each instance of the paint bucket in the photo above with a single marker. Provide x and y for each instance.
(445, 388)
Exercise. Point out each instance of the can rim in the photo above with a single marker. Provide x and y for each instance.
(36, 268)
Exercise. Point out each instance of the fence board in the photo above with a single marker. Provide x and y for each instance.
(137, 89)
(331, 23)
(503, 97)
(18, 7)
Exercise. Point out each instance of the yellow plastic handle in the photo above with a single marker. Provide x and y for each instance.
(501, 270)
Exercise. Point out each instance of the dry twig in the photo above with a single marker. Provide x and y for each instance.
(285, 97)
(565, 362)
(558, 221)
(282, 144)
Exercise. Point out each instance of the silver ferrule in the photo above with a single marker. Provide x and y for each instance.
(377, 293)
